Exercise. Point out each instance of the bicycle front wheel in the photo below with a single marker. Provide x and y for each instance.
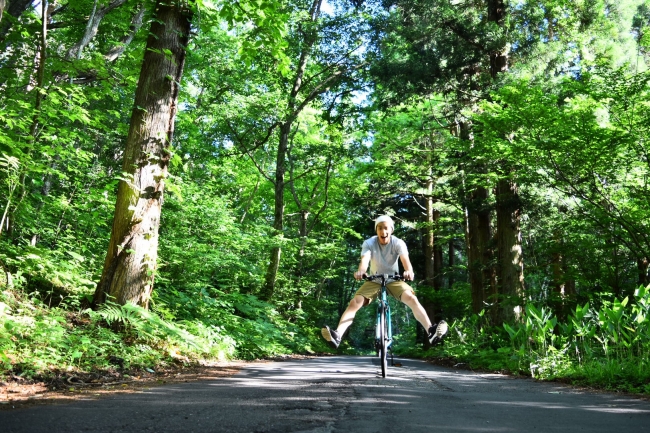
(383, 336)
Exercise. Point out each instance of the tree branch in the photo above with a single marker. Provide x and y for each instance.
(240, 143)
(136, 24)
(461, 34)
(326, 191)
(96, 17)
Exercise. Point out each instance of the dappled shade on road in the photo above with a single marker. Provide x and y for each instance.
(344, 394)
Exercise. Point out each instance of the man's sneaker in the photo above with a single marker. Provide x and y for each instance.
(437, 332)
(332, 337)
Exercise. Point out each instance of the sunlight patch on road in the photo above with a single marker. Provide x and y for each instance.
(540, 405)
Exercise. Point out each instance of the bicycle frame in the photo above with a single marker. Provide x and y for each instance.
(384, 328)
(383, 305)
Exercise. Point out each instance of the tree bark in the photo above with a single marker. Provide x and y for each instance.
(278, 214)
(451, 263)
(510, 265)
(437, 259)
(510, 276)
(432, 257)
(429, 237)
(563, 287)
(304, 215)
(478, 234)
(130, 265)
(480, 254)
(499, 58)
(642, 266)
(556, 266)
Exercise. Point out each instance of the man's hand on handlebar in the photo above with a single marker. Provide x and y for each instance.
(408, 275)
(393, 277)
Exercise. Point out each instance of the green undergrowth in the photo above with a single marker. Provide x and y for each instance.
(37, 340)
(602, 345)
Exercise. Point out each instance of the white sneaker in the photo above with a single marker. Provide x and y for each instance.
(437, 332)
(332, 337)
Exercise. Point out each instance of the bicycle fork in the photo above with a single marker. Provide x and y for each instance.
(389, 327)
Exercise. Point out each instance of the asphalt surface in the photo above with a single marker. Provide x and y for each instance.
(344, 394)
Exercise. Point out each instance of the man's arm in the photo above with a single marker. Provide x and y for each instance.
(363, 266)
(408, 268)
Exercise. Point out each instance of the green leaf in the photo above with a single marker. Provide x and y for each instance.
(76, 256)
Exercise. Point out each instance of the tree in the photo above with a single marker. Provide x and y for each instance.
(583, 140)
(131, 260)
(465, 51)
(325, 60)
(510, 263)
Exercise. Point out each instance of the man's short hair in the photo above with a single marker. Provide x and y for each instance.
(385, 218)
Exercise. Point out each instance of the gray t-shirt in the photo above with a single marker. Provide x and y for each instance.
(383, 258)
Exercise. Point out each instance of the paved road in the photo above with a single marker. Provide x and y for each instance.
(343, 394)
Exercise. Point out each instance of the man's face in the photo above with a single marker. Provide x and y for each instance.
(384, 231)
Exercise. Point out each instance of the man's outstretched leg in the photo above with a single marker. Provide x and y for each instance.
(435, 333)
(333, 336)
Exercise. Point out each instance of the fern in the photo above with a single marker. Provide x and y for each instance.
(148, 324)
(112, 313)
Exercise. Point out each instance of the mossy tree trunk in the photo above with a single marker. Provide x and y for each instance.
(510, 264)
(130, 264)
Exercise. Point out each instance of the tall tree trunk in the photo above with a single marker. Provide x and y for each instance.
(642, 266)
(478, 233)
(498, 58)
(304, 215)
(563, 287)
(278, 223)
(130, 265)
(432, 251)
(432, 260)
(429, 237)
(510, 265)
(556, 265)
(508, 206)
(479, 254)
(437, 259)
(451, 263)
(303, 232)
(294, 107)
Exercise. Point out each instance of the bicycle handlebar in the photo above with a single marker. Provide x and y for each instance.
(384, 277)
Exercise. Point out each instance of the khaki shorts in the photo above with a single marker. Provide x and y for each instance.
(370, 290)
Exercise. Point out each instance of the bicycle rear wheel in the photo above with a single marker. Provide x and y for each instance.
(383, 335)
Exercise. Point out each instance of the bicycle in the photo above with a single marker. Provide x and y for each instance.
(384, 331)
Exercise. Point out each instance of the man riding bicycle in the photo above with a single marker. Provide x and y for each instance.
(381, 253)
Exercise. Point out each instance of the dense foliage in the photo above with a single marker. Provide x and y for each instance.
(296, 124)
